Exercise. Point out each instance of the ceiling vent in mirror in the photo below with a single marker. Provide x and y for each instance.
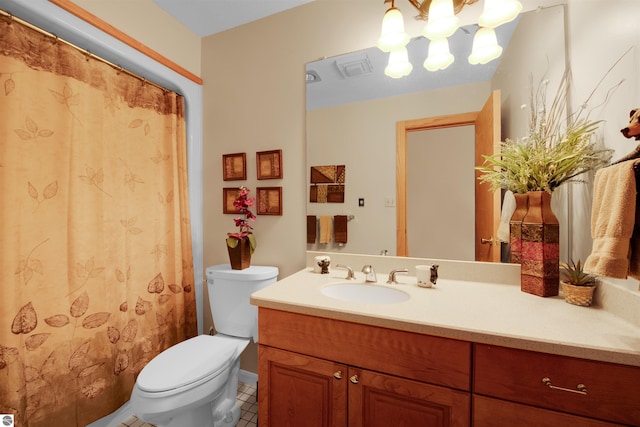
(354, 66)
(313, 76)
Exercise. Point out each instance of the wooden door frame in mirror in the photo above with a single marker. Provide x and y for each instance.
(484, 144)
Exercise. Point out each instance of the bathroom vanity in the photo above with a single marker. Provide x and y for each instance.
(467, 352)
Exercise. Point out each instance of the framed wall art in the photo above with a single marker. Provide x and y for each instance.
(327, 184)
(229, 195)
(269, 200)
(234, 166)
(269, 164)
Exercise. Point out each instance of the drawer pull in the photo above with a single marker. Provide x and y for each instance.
(580, 388)
(337, 375)
(354, 379)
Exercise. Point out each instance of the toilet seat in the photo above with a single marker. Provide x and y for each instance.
(191, 361)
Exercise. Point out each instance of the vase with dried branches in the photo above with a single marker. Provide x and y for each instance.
(556, 150)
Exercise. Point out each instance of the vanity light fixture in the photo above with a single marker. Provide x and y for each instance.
(439, 56)
(442, 23)
(485, 46)
(498, 12)
(399, 65)
(393, 36)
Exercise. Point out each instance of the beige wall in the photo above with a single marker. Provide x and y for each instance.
(151, 25)
(254, 100)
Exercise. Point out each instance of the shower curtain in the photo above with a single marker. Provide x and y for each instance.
(96, 271)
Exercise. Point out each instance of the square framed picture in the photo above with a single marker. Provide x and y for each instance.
(269, 200)
(229, 195)
(234, 166)
(269, 164)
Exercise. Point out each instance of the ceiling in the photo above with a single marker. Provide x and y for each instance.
(206, 17)
(359, 76)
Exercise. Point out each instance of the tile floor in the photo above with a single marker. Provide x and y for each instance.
(248, 409)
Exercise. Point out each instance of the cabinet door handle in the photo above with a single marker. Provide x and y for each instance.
(354, 379)
(486, 241)
(580, 388)
(337, 375)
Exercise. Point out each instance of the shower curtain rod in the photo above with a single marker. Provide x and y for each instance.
(6, 15)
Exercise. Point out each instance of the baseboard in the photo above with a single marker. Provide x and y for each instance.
(247, 377)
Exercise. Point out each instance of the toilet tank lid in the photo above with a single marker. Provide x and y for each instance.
(254, 272)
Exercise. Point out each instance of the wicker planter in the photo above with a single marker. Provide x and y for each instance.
(578, 295)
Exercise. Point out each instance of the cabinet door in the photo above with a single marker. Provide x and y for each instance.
(378, 400)
(297, 390)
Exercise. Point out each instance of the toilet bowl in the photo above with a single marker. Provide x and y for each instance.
(194, 383)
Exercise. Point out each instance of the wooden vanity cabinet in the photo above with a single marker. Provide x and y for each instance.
(324, 372)
(549, 390)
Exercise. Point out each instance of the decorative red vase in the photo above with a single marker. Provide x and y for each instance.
(515, 228)
(240, 256)
(540, 274)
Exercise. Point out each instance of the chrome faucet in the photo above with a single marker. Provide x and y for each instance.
(350, 275)
(392, 275)
(369, 274)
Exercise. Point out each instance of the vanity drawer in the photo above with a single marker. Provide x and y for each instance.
(425, 358)
(612, 391)
(489, 412)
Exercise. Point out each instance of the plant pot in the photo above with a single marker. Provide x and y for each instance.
(240, 256)
(578, 295)
(540, 272)
(515, 228)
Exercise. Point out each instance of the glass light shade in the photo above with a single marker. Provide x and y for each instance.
(439, 56)
(399, 65)
(392, 36)
(442, 21)
(485, 46)
(498, 12)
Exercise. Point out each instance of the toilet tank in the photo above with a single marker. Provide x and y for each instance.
(229, 293)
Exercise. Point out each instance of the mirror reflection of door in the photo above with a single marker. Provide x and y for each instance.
(437, 218)
(441, 202)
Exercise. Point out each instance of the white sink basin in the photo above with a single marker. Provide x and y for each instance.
(365, 293)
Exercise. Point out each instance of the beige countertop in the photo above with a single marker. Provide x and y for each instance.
(478, 302)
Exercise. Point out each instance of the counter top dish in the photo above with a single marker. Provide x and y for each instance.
(496, 313)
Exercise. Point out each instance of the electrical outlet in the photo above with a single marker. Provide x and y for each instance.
(389, 202)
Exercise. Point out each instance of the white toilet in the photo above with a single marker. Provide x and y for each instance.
(194, 383)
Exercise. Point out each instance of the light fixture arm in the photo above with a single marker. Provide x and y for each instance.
(423, 8)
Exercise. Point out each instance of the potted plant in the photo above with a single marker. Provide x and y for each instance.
(577, 286)
(242, 244)
(556, 150)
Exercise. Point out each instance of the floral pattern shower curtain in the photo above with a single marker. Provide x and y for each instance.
(96, 273)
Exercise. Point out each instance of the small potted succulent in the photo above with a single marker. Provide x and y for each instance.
(577, 286)
(242, 244)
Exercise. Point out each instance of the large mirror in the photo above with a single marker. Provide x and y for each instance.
(353, 111)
